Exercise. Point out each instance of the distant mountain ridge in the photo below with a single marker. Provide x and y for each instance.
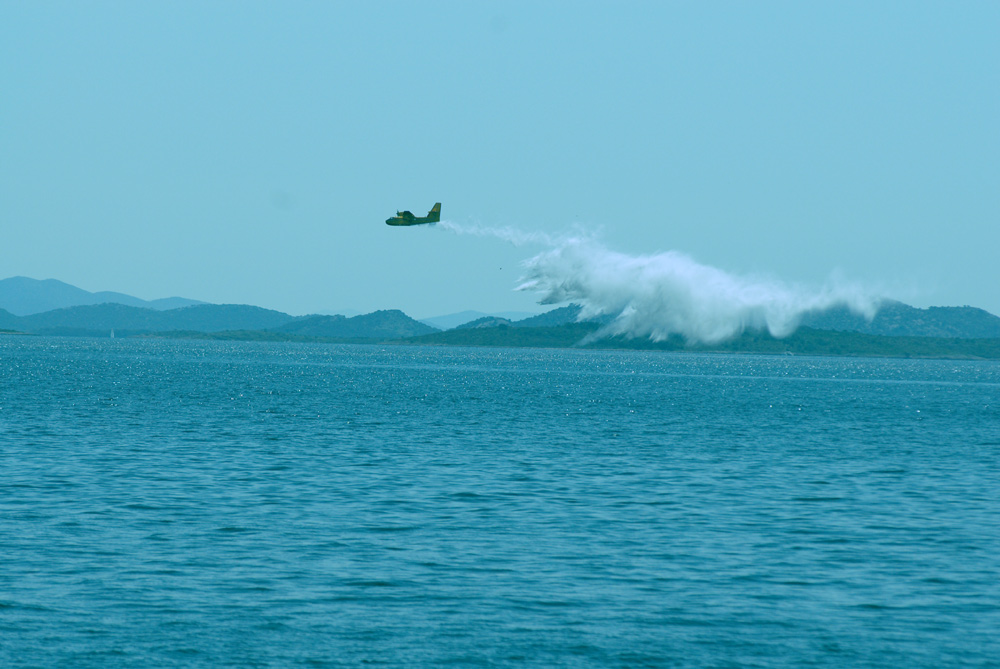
(22, 296)
(98, 320)
(893, 319)
(462, 318)
(485, 322)
(388, 324)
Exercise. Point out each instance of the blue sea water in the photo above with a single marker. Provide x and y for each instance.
(203, 504)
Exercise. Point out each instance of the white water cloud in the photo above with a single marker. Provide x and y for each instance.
(668, 293)
(505, 233)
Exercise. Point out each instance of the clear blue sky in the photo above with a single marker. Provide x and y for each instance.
(249, 152)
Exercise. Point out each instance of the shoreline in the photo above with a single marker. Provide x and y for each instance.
(803, 342)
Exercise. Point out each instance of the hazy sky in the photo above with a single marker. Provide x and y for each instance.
(249, 152)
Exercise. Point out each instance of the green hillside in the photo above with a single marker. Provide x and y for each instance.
(9, 321)
(100, 319)
(387, 324)
(806, 341)
(898, 331)
(901, 320)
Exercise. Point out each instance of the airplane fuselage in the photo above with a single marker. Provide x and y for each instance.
(407, 218)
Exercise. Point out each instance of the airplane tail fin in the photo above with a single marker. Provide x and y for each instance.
(435, 213)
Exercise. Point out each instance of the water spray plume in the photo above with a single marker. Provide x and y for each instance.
(506, 233)
(666, 294)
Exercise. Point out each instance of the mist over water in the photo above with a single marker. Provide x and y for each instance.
(666, 293)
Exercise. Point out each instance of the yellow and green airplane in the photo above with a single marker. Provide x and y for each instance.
(406, 218)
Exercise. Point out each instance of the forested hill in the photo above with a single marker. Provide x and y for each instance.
(805, 341)
(100, 319)
(389, 324)
(896, 319)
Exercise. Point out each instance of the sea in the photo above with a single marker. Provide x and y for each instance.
(213, 504)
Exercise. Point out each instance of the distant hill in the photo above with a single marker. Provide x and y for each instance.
(484, 322)
(805, 341)
(218, 317)
(91, 320)
(22, 296)
(894, 319)
(100, 319)
(450, 321)
(8, 321)
(560, 316)
(555, 317)
(388, 324)
(455, 320)
(313, 325)
(901, 320)
(112, 311)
